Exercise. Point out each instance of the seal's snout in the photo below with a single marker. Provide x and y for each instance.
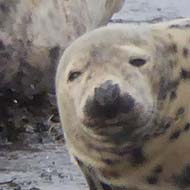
(107, 94)
(107, 102)
(106, 99)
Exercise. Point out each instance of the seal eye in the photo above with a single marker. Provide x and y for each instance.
(137, 62)
(74, 75)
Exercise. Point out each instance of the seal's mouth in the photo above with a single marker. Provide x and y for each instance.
(126, 113)
(118, 121)
(123, 127)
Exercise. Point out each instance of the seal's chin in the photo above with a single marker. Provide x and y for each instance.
(104, 122)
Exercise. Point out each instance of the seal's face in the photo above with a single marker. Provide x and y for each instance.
(111, 89)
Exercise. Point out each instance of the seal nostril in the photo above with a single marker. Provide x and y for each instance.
(108, 102)
(107, 94)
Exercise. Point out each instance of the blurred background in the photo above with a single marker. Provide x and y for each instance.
(153, 10)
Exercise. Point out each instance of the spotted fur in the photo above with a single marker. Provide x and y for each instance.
(123, 95)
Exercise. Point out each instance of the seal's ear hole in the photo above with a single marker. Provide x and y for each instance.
(137, 62)
(73, 75)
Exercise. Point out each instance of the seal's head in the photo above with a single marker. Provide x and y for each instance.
(116, 92)
(107, 83)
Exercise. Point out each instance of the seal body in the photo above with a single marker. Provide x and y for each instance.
(123, 94)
